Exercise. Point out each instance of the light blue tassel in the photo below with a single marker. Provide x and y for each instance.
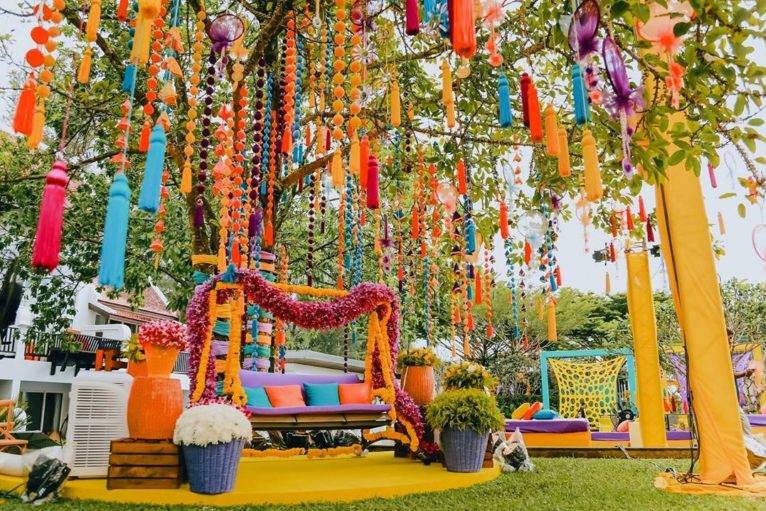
(504, 102)
(581, 103)
(429, 9)
(469, 292)
(554, 287)
(112, 269)
(470, 237)
(129, 78)
(149, 198)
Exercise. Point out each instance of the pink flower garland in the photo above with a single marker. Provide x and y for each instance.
(166, 333)
(362, 299)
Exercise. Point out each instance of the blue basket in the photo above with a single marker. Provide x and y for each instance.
(463, 449)
(213, 468)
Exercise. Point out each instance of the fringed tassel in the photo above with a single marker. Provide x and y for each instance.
(148, 10)
(535, 117)
(353, 156)
(186, 179)
(38, 126)
(563, 163)
(122, 10)
(503, 220)
(364, 160)
(412, 17)
(612, 253)
(649, 231)
(462, 181)
(524, 87)
(527, 252)
(447, 97)
(711, 175)
(551, 132)
(336, 171)
(129, 78)
(553, 335)
(199, 214)
(463, 28)
(143, 138)
(593, 188)
(478, 292)
(83, 74)
(451, 120)
(396, 105)
(373, 194)
(112, 268)
(287, 140)
(45, 253)
(149, 197)
(415, 222)
(268, 233)
(94, 20)
(470, 236)
(607, 284)
(504, 102)
(641, 209)
(23, 119)
(580, 93)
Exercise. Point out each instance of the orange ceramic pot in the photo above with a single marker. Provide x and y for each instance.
(160, 359)
(419, 382)
(137, 368)
(154, 405)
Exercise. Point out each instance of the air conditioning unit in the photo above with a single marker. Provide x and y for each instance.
(97, 415)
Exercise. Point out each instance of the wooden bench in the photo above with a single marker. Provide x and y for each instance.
(7, 440)
(312, 422)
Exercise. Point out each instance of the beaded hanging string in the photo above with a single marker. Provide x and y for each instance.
(288, 90)
(207, 113)
(280, 345)
(222, 186)
(339, 65)
(314, 193)
(266, 151)
(348, 229)
(268, 232)
(341, 238)
(241, 205)
(192, 101)
(152, 83)
(258, 114)
(298, 147)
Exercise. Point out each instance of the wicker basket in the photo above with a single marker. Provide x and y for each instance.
(463, 449)
(213, 469)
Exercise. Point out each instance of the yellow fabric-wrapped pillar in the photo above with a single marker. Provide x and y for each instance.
(644, 327)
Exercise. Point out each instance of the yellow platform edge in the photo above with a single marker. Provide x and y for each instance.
(296, 480)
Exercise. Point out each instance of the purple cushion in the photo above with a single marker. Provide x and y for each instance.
(548, 426)
(606, 436)
(310, 410)
(262, 379)
(757, 420)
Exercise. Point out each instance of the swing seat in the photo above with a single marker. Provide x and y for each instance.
(306, 418)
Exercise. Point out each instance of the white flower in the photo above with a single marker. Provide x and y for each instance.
(211, 424)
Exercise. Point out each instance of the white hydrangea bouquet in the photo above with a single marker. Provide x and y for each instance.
(212, 438)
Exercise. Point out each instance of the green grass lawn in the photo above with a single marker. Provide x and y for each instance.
(566, 484)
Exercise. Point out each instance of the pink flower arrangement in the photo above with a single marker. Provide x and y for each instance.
(362, 299)
(166, 333)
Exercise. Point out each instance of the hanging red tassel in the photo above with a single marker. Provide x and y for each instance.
(504, 221)
(415, 222)
(373, 199)
(649, 231)
(527, 252)
(122, 10)
(613, 224)
(25, 109)
(524, 86)
(612, 253)
(287, 140)
(143, 139)
(535, 116)
(477, 294)
(641, 209)
(412, 17)
(463, 28)
(364, 160)
(268, 233)
(629, 219)
(236, 258)
(557, 274)
(462, 183)
(45, 253)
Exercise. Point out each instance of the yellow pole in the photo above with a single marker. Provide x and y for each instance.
(644, 327)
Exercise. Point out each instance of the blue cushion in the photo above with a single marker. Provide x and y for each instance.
(256, 397)
(321, 394)
(545, 415)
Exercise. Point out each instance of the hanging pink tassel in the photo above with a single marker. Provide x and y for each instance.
(649, 231)
(629, 219)
(373, 199)
(412, 17)
(711, 173)
(641, 209)
(45, 253)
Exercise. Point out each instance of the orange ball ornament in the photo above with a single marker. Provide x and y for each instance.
(39, 35)
(35, 58)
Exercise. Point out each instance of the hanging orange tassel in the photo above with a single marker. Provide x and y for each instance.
(462, 28)
(629, 219)
(641, 209)
(148, 10)
(38, 123)
(354, 156)
(83, 74)
(564, 169)
(186, 179)
(535, 117)
(143, 138)
(721, 224)
(287, 140)
(396, 105)
(415, 222)
(557, 274)
(527, 252)
(551, 132)
(593, 188)
(477, 291)
(94, 20)
(451, 115)
(553, 335)
(268, 233)
(364, 159)
(23, 119)
(122, 10)
(336, 171)
(504, 221)
(462, 183)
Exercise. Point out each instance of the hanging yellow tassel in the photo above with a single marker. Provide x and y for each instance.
(83, 74)
(38, 123)
(553, 335)
(94, 20)
(451, 115)
(396, 105)
(353, 160)
(551, 132)
(721, 224)
(186, 179)
(466, 347)
(148, 10)
(593, 188)
(336, 171)
(446, 83)
(539, 307)
(607, 284)
(564, 169)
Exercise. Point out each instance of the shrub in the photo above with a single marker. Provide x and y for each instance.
(132, 350)
(417, 357)
(468, 375)
(465, 409)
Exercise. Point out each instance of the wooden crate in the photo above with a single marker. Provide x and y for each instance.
(149, 464)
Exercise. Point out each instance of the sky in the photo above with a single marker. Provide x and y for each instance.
(577, 266)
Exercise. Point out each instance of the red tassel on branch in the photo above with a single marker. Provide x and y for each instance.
(143, 139)
(477, 292)
(462, 183)
(503, 221)
(629, 219)
(535, 116)
(641, 209)
(527, 252)
(649, 231)
(612, 253)
(45, 253)
(524, 86)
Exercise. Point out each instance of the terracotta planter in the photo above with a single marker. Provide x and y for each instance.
(418, 382)
(154, 405)
(160, 359)
(137, 368)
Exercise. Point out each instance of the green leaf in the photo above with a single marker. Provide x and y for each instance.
(741, 211)
(727, 195)
(677, 157)
(619, 8)
(680, 29)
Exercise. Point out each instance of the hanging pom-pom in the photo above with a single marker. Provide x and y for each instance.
(580, 93)
(199, 214)
(149, 197)
(129, 78)
(721, 224)
(23, 119)
(504, 102)
(112, 268)
(629, 219)
(526, 80)
(527, 252)
(593, 188)
(412, 17)
(354, 155)
(83, 74)
(396, 105)
(504, 233)
(553, 335)
(470, 236)
(373, 194)
(607, 284)
(148, 10)
(551, 132)
(143, 138)
(711, 175)
(649, 231)
(94, 20)
(535, 117)
(45, 253)
(38, 126)
(122, 10)
(463, 30)
(462, 181)
(478, 294)
(336, 171)
(563, 163)
(641, 209)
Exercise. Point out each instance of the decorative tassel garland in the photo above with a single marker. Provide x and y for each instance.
(551, 132)
(581, 103)
(148, 10)
(527, 252)
(524, 87)
(504, 102)
(412, 17)
(112, 269)
(462, 183)
(45, 253)
(25, 110)
(463, 30)
(396, 105)
(563, 163)
(535, 117)
(629, 219)
(593, 188)
(83, 73)
(364, 159)
(504, 232)
(373, 194)
(336, 171)
(149, 197)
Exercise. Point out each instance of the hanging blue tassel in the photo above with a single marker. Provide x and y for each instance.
(469, 292)
(470, 237)
(112, 268)
(149, 198)
(581, 103)
(552, 280)
(429, 10)
(129, 78)
(504, 102)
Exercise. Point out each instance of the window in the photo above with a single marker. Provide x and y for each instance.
(43, 411)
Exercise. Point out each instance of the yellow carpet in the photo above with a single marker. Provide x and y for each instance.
(295, 480)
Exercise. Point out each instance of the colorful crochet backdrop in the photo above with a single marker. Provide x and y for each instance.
(592, 385)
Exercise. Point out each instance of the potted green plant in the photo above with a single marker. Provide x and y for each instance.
(417, 368)
(133, 351)
(464, 419)
(468, 375)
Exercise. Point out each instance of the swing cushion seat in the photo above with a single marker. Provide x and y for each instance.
(548, 426)
(316, 410)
